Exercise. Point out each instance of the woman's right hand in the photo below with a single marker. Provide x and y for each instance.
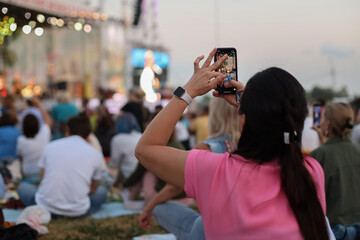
(144, 219)
(322, 137)
(205, 78)
(231, 98)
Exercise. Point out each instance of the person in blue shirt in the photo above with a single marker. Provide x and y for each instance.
(9, 134)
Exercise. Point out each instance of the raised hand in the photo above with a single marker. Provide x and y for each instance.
(205, 78)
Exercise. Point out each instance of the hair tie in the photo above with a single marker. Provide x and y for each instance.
(290, 138)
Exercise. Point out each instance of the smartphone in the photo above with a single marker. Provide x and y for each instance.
(317, 110)
(228, 68)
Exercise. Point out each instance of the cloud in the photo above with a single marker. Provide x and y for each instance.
(333, 50)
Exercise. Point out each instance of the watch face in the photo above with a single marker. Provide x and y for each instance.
(179, 92)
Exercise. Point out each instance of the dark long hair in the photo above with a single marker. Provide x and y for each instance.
(274, 103)
(30, 126)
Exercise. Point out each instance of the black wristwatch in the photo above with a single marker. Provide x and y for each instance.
(181, 93)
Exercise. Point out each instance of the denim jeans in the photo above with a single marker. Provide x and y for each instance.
(182, 221)
(27, 192)
(342, 232)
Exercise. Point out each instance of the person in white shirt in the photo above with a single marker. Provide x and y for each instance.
(33, 141)
(70, 174)
(123, 161)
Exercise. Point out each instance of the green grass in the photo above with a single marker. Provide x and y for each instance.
(124, 228)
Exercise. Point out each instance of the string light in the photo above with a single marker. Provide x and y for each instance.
(26, 29)
(27, 15)
(32, 24)
(78, 26)
(60, 22)
(87, 28)
(4, 10)
(40, 18)
(39, 31)
(13, 27)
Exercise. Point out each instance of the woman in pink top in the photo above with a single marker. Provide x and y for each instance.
(266, 189)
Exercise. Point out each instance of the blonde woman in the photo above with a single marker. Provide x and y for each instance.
(223, 127)
(340, 159)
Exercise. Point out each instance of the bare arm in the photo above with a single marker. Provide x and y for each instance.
(41, 174)
(203, 146)
(166, 193)
(94, 186)
(47, 119)
(151, 149)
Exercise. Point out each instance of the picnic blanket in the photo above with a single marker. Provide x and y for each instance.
(166, 236)
(107, 210)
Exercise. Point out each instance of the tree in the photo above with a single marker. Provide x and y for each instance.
(327, 93)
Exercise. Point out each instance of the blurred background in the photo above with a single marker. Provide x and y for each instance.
(93, 48)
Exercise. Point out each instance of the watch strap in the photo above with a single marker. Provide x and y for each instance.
(186, 97)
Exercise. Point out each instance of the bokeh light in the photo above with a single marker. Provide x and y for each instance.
(87, 28)
(40, 18)
(39, 31)
(26, 29)
(78, 26)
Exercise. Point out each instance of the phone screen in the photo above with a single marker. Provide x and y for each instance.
(228, 68)
(317, 109)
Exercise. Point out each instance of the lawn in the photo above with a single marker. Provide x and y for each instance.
(124, 227)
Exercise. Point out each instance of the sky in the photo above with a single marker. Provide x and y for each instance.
(307, 38)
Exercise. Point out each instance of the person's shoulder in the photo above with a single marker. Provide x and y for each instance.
(318, 151)
(313, 166)
(207, 155)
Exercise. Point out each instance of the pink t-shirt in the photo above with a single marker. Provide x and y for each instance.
(239, 199)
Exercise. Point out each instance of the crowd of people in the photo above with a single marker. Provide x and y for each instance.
(252, 162)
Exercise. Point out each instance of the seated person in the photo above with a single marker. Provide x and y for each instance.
(31, 145)
(123, 161)
(70, 174)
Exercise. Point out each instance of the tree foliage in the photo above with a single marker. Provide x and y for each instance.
(327, 93)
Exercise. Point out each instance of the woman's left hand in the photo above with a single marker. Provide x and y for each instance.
(205, 78)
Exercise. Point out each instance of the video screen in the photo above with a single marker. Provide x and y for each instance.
(317, 115)
(228, 67)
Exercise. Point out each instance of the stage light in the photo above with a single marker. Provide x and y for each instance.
(39, 31)
(26, 29)
(40, 18)
(87, 28)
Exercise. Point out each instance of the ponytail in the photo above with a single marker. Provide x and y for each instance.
(301, 193)
(297, 182)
